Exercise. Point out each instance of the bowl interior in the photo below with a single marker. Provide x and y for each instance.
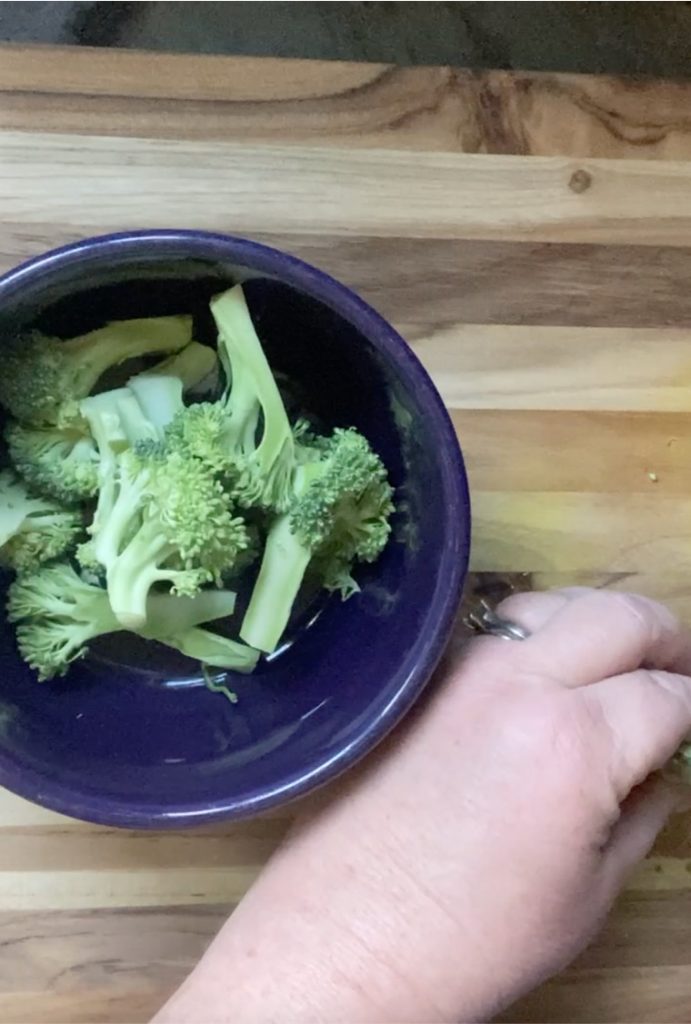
(132, 736)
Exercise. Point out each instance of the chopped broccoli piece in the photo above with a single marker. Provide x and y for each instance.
(161, 516)
(60, 461)
(41, 374)
(171, 523)
(58, 613)
(169, 615)
(212, 649)
(159, 390)
(339, 515)
(33, 529)
(192, 365)
(246, 435)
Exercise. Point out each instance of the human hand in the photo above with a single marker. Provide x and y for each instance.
(479, 851)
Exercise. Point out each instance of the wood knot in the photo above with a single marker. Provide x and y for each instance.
(580, 181)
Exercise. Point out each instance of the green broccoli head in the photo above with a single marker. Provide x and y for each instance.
(62, 462)
(57, 615)
(342, 502)
(169, 522)
(344, 498)
(33, 529)
(41, 374)
(199, 430)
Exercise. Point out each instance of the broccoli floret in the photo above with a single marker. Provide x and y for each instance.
(199, 430)
(246, 435)
(40, 374)
(161, 517)
(339, 515)
(33, 529)
(58, 613)
(59, 461)
(173, 524)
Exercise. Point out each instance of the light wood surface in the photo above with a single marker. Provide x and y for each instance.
(531, 236)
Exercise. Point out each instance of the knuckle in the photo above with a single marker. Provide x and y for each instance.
(532, 609)
(644, 615)
(678, 687)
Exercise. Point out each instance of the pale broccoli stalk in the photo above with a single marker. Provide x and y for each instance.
(211, 649)
(170, 615)
(42, 375)
(59, 613)
(102, 413)
(159, 390)
(60, 461)
(339, 515)
(33, 529)
(225, 433)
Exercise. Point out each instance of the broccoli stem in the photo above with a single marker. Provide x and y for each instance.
(191, 365)
(121, 340)
(253, 387)
(110, 532)
(137, 424)
(160, 398)
(283, 567)
(211, 649)
(11, 519)
(132, 574)
(170, 614)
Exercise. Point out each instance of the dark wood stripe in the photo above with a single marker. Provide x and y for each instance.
(434, 281)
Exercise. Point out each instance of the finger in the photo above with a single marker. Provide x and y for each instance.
(533, 610)
(529, 610)
(648, 713)
(643, 816)
(603, 633)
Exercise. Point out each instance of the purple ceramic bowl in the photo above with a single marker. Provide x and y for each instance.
(131, 737)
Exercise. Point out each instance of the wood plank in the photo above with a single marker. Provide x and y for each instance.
(457, 110)
(74, 848)
(581, 532)
(316, 190)
(89, 72)
(442, 293)
(656, 995)
(521, 367)
(636, 453)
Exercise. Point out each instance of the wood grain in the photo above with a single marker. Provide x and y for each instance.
(366, 105)
(530, 236)
(320, 190)
(514, 367)
(517, 451)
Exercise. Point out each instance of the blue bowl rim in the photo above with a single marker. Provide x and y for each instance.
(56, 796)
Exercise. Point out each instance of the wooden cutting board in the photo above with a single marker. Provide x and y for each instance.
(531, 236)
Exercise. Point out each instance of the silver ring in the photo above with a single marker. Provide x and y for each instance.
(485, 620)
